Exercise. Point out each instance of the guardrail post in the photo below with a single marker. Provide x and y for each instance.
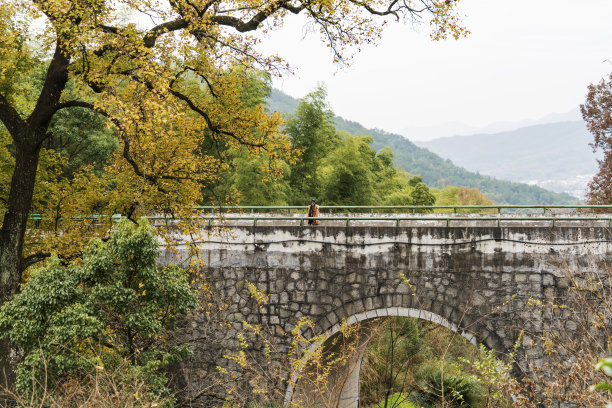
(498, 223)
(210, 222)
(553, 223)
(254, 222)
(448, 222)
(301, 222)
(348, 222)
(397, 222)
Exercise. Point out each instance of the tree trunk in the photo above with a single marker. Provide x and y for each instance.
(11, 243)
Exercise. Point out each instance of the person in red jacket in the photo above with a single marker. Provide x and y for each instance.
(313, 211)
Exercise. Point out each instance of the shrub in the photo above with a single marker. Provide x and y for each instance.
(397, 400)
(112, 310)
(454, 390)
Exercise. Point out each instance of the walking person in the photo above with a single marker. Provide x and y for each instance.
(313, 212)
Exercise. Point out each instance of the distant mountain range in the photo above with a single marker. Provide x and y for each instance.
(427, 133)
(435, 170)
(556, 156)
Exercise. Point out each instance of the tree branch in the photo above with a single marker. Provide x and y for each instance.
(32, 259)
(154, 33)
(78, 104)
(211, 126)
(55, 82)
(11, 118)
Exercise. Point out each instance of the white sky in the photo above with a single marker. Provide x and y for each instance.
(524, 60)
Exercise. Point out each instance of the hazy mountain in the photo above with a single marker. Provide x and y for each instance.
(449, 129)
(435, 170)
(556, 156)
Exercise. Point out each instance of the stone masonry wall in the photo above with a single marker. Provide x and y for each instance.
(462, 277)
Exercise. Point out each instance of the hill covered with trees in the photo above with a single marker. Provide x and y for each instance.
(436, 171)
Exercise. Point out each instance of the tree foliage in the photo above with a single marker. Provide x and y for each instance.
(597, 112)
(314, 136)
(414, 362)
(111, 310)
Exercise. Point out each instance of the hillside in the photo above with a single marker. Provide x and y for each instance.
(434, 169)
(555, 155)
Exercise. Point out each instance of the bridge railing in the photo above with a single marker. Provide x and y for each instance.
(355, 214)
(412, 209)
(447, 220)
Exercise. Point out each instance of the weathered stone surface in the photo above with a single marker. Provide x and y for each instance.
(460, 277)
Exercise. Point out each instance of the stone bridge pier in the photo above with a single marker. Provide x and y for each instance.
(476, 281)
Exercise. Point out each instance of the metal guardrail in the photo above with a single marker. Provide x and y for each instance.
(210, 220)
(408, 208)
(419, 212)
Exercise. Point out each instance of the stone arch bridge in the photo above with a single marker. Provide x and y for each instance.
(461, 276)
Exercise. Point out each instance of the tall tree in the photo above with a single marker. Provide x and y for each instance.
(156, 71)
(597, 112)
(347, 173)
(313, 135)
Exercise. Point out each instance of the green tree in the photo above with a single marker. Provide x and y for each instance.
(421, 195)
(389, 360)
(255, 185)
(112, 309)
(347, 172)
(313, 134)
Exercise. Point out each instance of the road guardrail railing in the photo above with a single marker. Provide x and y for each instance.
(355, 214)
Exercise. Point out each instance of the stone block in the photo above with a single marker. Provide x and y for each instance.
(520, 277)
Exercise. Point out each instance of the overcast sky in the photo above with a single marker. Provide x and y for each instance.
(524, 60)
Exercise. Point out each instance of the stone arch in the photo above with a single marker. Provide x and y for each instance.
(349, 395)
(400, 304)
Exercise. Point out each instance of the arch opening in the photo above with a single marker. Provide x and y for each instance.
(350, 379)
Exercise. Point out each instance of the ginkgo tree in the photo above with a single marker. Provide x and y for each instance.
(162, 75)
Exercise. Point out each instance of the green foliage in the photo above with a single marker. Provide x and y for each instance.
(335, 168)
(454, 390)
(312, 132)
(605, 366)
(412, 358)
(81, 138)
(435, 170)
(397, 400)
(420, 195)
(111, 310)
(254, 185)
(493, 373)
(390, 359)
(347, 172)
